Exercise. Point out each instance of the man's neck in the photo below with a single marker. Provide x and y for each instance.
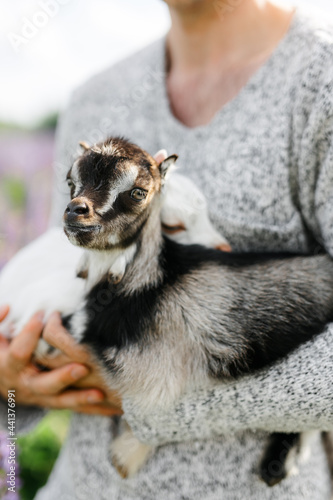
(212, 53)
(205, 34)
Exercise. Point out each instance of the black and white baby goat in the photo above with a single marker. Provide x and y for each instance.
(163, 318)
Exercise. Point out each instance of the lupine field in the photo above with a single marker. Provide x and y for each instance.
(25, 187)
(25, 199)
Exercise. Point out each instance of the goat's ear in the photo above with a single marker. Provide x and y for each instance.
(160, 156)
(166, 166)
(84, 145)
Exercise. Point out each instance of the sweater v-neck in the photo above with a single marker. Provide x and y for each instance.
(256, 80)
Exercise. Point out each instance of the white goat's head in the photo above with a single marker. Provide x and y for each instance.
(113, 185)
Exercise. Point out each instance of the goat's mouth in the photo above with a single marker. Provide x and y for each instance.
(75, 228)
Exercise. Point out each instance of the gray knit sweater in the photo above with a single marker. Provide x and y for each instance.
(265, 164)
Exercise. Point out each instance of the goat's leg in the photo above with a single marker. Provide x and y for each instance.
(279, 459)
(283, 455)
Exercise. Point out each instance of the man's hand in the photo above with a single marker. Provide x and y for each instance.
(52, 389)
(57, 336)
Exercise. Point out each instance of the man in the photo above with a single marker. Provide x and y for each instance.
(242, 91)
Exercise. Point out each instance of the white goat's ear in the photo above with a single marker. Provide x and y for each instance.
(160, 156)
(84, 145)
(167, 165)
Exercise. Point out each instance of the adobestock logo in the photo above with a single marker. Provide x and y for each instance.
(40, 19)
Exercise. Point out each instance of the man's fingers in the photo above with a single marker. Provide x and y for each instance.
(4, 310)
(3, 341)
(22, 347)
(52, 362)
(75, 398)
(57, 380)
(57, 336)
(99, 410)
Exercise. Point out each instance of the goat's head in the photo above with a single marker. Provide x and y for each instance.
(113, 185)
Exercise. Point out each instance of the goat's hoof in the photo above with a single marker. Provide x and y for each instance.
(128, 454)
(271, 480)
(114, 279)
(224, 247)
(82, 274)
(44, 351)
(121, 469)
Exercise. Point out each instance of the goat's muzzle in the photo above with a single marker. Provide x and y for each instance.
(79, 216)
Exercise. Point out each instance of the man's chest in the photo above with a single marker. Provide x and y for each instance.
(196, 98)
(248, 172)
(244, 163)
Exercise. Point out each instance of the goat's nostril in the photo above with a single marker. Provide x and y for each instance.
(81, 209)
(74, 208)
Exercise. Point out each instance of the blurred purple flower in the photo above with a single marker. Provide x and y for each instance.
(25, 188)
(5, 469)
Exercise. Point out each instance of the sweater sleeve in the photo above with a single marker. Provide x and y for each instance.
(313, 147)
(296, 393)
(293, 395)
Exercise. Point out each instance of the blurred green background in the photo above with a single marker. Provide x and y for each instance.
(25, 199)
(38, 451)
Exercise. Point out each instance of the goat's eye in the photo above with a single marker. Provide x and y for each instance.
(138, 194)
(70, 183)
